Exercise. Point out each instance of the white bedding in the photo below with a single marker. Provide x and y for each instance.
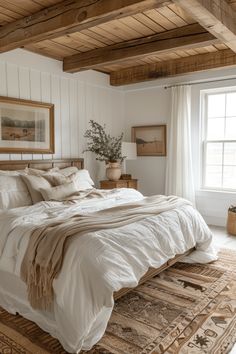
(96, 264)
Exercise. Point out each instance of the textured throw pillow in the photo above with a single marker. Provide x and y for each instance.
(56, 179)
(81, 177)
(13, 191)
(34, 183)
(36, 172)
(60, 192)
(68, 170)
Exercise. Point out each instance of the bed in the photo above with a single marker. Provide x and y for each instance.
(99, 267)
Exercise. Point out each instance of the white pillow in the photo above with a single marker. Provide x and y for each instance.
(83, 175)
(59, 192)
(13, 191)
(10, 173)
(34, 183)
(82, 180)
(72, 169)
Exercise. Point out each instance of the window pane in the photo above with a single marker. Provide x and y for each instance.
(231, 104)
(215, 130)
(216, 105)
(214, 154)
(213, 176)
(230, 128)
(229, 179)
(230, 154)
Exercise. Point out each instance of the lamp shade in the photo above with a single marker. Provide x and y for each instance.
(129, 150)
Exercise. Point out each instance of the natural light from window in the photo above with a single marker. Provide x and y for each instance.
(219, 143)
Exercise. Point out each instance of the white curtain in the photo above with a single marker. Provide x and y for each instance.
(179, 173)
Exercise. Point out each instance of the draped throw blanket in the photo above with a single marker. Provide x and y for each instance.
(45, 252)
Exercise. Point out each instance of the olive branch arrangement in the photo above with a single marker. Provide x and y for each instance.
(106, 147)
(232, 208)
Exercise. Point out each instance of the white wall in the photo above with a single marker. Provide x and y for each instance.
(150, 103)
(147, 107)
(77, 99)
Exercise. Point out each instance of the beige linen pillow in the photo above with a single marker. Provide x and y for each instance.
(68, 170)
(36, 172)
(34, 183)
(56, 179)
(60, 192)
(81, 179)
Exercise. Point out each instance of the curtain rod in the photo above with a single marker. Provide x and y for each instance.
(199, 82)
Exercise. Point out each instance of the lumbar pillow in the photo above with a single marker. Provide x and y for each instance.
(60, 192)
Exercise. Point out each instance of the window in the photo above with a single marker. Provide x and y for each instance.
(219, 140)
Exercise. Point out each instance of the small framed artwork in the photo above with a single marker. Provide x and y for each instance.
(150, 140)
(26, 126)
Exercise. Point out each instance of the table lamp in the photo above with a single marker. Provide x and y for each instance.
(129, 150)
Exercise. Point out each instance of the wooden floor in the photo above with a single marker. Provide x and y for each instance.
(223, 240)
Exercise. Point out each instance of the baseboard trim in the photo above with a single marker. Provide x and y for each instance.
(213, 220)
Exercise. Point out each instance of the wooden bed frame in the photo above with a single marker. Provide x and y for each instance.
(79, 163)
(40, 164)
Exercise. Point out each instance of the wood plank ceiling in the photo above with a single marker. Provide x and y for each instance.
(163, 32)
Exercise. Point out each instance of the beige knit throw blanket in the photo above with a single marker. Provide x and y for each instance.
(45, 252)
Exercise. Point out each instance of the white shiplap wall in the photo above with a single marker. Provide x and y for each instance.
(77, 99)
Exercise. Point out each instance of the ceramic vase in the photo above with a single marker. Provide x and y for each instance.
(113, 171)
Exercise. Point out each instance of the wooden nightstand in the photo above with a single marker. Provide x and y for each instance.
(121, 183)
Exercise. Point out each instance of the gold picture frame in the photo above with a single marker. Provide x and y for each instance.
(150, 140)
(26, 126)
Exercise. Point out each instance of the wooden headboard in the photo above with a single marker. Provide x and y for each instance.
(41, 164)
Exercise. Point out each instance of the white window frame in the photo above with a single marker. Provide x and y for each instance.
(204, 141)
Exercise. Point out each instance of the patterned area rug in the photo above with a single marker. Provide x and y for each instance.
(187, 309)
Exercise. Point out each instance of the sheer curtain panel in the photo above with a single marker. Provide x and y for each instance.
(179, 173)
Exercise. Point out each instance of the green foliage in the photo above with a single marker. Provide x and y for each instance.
(106, 147)
(232, 208)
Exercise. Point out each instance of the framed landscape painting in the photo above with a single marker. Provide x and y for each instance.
(150, 140)
(26, 126)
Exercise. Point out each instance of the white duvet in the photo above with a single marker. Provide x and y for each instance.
(96, 264)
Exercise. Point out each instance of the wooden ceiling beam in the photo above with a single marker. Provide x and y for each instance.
(218, 17)
(173, 67)
(190, 36)
(69, 16)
